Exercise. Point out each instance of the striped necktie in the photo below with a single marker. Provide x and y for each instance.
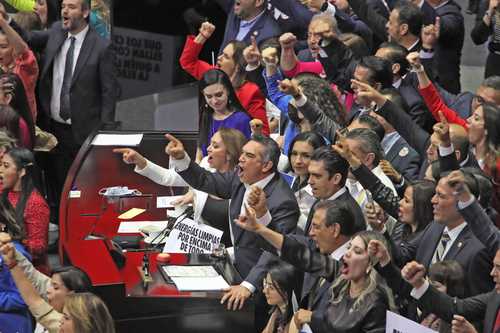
(445, 238)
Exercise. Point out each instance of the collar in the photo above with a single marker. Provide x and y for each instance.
(249, 23)
(261, 183)
(340, 251)
(79, 36)
(421, 4)
(397, 84)
(414, 44)
(337, 194)
(441, 5)
(389, 140)
(455, 232)
(464, 162)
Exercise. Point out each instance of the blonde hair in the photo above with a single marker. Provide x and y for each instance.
(89, 313)
(234, 141)
(340, 287)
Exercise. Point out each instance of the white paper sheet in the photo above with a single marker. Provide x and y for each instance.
(166, 202)
(117, 139)
(397, 323)
(190, 271)
(200, 283)
(132, 227)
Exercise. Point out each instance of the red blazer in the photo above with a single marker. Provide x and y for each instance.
(435, 104)
(248, 93)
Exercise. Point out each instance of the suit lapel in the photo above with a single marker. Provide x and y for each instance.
(85, 51)
(393, 152)
(53, 47)
(435, 236)
(235, 209)
(458, 244)
(491, 313)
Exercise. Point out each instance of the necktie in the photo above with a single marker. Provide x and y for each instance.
(496, 328)
(445, 238)
(65, 106)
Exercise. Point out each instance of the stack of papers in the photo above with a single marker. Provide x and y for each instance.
(196, 278)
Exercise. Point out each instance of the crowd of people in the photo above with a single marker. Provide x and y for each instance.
(349, 172)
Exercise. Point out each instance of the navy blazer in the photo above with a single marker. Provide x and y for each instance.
(467, 250)
(248, 246)
(404, 159)
(265, 27)
(93, 87)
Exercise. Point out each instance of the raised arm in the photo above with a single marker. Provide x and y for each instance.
(189, 59)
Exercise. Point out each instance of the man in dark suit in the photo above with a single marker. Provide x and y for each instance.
(332, 227)
(459, 312)
(247, 18)
(256, 177)
(77, 85)
(405, 83)
(425, 144)
(449, 237)
(327, 177)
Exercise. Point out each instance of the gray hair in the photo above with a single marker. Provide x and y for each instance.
(492, 82)
(271, 152)
(327, 18)
(6, 141)
(369, 142)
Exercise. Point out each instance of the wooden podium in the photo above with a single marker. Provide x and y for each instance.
(160, 307)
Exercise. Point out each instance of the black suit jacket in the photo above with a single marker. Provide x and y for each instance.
(483, 307)
(448, 50)
(404, 159)
(93, 87)
(359, 218)
(466, 250)
(416, 104)
(248, 246)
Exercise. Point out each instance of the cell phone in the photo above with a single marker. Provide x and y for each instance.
(369, 198)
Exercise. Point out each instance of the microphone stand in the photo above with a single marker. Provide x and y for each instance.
(144, 270)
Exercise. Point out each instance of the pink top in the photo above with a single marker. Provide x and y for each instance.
(305, 66)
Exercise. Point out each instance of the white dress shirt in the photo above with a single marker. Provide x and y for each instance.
(58, 72)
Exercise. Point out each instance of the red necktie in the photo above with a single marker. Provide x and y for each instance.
(497, 322)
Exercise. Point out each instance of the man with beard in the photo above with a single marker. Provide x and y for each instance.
(77, 85)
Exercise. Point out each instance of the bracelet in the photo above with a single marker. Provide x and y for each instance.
(12, 264)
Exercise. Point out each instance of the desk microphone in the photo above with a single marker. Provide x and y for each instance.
(188, 212)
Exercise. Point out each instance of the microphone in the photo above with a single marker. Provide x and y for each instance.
(188, 212)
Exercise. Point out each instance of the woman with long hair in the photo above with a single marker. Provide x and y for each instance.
(219, 107)
(86, 313)
(231, 62)
(299, 157)
(17, 58)
(359, 299)
(45, 296)
(31, 210)
(14, 313)
(278, 286)
(12, 93)
(223, 154)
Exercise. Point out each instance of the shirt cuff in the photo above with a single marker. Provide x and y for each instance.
(249, 286)
(330, 9)
(265, 219)
(250, 67)
(301, 101)
(461, 204)
(180, 165)
(417, 293)
(445, 151)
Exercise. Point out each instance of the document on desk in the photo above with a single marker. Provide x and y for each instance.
(196, 278)
(200, 283)
(133, 227)
(117, 139)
